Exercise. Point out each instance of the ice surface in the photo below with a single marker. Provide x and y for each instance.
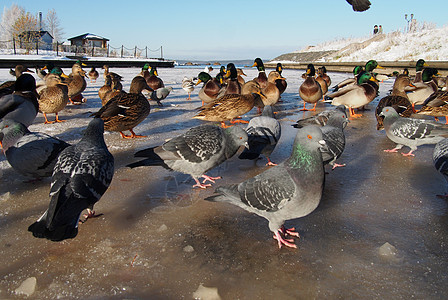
(135, 250)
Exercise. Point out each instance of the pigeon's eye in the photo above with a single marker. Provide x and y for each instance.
(241, 137)
(6, 126)
(309, 136)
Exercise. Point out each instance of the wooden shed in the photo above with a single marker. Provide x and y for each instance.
(89, 40)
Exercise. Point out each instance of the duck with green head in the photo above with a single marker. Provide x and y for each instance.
(356, 71)
(210, 89)
(232, 85)
(153, 80)
(420, 91)
(356, 95)
(262, 79)
(310, 90)
(419, 66)
(280, 83)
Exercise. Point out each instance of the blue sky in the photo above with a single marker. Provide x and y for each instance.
(230, 29)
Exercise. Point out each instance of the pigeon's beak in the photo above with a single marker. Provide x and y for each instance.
(246, 145)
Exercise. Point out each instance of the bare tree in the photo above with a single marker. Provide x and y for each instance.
(53, 26)
(9, 18)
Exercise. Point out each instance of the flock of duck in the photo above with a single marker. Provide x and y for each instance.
(81, 173)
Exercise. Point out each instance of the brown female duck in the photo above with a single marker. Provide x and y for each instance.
(126, 110)
(436, 105)
(227, 108)
(76, 84)
(93, 75)
(53, 98)
(280, 83)
(310, 90)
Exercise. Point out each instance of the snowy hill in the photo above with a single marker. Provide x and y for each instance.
(426, 42)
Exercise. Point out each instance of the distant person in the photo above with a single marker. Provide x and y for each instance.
(375, 29)
(380, 30)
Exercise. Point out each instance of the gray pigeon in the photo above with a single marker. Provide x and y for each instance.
(160, 94)
(320, 118)
(32, 154)
(264, 132)
(291, 190)
(411, 132)
(21, 106)
(334, 137)
(81, 176)
(440, 159)
(195, 152)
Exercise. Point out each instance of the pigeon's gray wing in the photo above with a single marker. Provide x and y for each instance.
(440, 156)
(335, 143)
(79, 180)
(416, 129)
(268, 191)
(197, 145)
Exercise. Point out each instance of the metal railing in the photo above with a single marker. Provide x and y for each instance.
(20, 47)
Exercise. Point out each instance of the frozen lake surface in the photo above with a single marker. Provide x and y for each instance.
(379, 232)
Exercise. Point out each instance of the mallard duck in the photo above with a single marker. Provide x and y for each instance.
(126, 110)
(107, 72)
(115, 89)
(227, 108)
(280, 83)
(232, 85)
(240, 74)
(188, 85)
(262, 79)
(76, 84)
(7, 87)
(53, 98)
(419, 66)
(32, 154)
(153, 80)
(41, 73)
(397, 99)
(322, 71)
(220, 76)
(356, 71)
(105, 88)
(145, 71)
(436, 105)
(355, 95)
(420, 91)
(271, 91)
(93, 74)
(210, 90)
(21, 106)
(310, 90)
(323, 84)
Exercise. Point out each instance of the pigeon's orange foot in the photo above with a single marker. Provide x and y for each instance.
(281, 241)
(337, 165)
(395, 150)
(239, 121)
(200, 185)
(270, 163)
(211, 179)
(408, 154)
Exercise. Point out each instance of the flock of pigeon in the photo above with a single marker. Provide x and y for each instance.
(81, 173)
